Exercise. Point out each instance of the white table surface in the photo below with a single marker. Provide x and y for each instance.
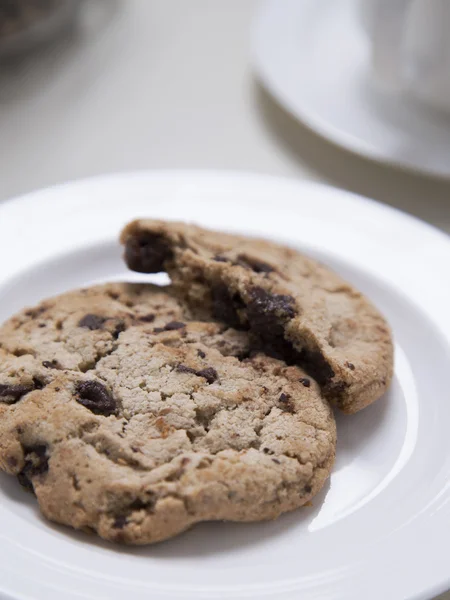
(150, 84)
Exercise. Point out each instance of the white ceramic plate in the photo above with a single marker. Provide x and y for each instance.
(313, 56)
(380, 529)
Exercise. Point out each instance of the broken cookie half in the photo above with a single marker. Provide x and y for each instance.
(295, 308)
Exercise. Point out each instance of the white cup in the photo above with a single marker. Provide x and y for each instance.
(410, 47)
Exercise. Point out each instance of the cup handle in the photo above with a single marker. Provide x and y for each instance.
(389, 26)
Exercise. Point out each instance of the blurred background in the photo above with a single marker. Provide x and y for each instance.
(155, 84)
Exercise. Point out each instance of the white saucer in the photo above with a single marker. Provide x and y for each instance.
(314, 58)
(380, 527)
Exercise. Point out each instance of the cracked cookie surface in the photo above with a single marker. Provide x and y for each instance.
(295, 308)
(129, 419)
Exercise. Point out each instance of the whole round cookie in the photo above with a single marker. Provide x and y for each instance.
(295, 308)
(127, 419)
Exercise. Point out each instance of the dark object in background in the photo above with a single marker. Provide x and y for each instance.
(27, 23)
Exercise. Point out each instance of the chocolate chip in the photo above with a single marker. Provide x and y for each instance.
(351, 366)
(92, 322)
(94, 396)
(336, 390)
(137, 504)
(147, 318)
(271, 306)
(120, 521)
(307, 489)
(147, 252)
(255, 265)
(57, 389)
(242, 355)
(314, 362)
(226, 306)
(306, 382)
(276, 461)
(118, 329)
(14, 392)
(260, 267)
(209, 374)
(271, 341)
(51, 364)
(173, 325)
(267, 314)
(41, 465)
(219, 258)
(201, 353)
(185, 369)
(38, 384)
(36, 463)
(286, 403)
(267, 451)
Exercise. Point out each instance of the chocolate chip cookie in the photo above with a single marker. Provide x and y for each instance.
(295, 308)
(126, 418)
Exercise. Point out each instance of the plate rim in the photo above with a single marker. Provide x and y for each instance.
(245, 175)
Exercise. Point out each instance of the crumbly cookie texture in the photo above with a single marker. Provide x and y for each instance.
(294, 307)
(130, 420)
